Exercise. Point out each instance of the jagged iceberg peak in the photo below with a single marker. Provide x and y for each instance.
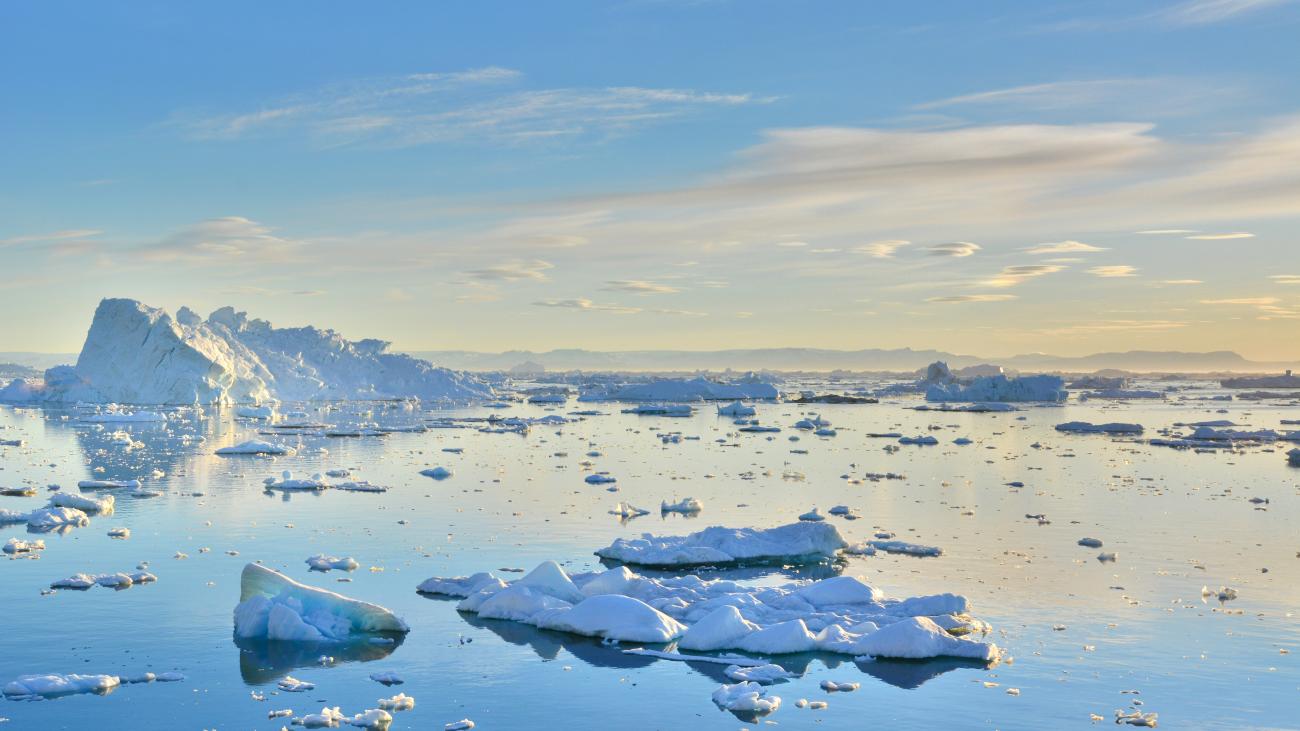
(138, 354)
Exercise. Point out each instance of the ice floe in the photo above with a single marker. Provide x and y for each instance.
(840, 615)
(1084, 427)
(256, 447)
(746, 697)
(801, 542)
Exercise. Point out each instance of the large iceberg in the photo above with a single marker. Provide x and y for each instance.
(274, 607)
(1001, 389)
(138, 354)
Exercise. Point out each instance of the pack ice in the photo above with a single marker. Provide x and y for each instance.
(136, 354)
(274, 607)
(750, 387)
(841, 615)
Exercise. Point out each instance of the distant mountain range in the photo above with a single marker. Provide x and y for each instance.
(798, 359)
(818, 359)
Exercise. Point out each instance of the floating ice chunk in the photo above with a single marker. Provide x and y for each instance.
(600, 478)
(288, 482)
(14, 545)
(327, 718)
(290, 684)
(675, 410)
(1084, 427)
(910, 549)
(51, 518)
(737, 408)
(375, 719)
(399, 702)
(359, 486)
(254, 446)
(321, 562)
(437, 473)
(812, 516)
(52, 686)
(617, 580)
(680, 389)
(722, 628)
(461, 586)
(1293, 457)
(612, 617)
(797, 543)
(975, 408)
(109, 484)
(387, 677)
(830, 686)
(463, 724)
(628, 510)
(761, 674)
(275, 607)
(84, 503)
(255, 412)
(926, 439)
(746, 697)
(920, 637)
(1090, 542)
(685, 505)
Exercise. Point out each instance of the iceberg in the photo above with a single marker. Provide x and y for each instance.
(737, 408)
(801, 542)
(839, 615)
(1001, 389)
(136, 354)
(1293, 457)
(274, 607)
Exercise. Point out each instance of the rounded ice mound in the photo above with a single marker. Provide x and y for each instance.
(720, 629)
(746, 697)
(437, 473)
(840, 590)
(919, 637)
(272, 606)
(613, 617)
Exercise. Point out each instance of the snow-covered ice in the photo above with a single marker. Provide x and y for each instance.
(800, 542)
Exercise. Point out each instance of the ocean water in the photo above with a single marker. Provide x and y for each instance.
(1079, 633)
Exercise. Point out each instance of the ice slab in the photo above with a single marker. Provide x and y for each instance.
(275, 607)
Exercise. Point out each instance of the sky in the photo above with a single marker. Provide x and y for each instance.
(991, 178)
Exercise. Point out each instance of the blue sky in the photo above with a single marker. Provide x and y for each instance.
(660, 173)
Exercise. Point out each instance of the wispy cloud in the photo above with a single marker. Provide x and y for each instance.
(1015, 275)
(1113, 271)
(1253, 301)
(1181, 282)
(1222, 237)
(959, 298)
(516, 270)
(65, 235)
(587, 305)
(229, 239)
(477, 104)
(1207, 12)
(1064, 247)
(1286, 278)
(882, 249)
(639, 286)
(957, 249)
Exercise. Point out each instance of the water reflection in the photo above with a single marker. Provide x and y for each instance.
(547, 644)
(266, 661)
